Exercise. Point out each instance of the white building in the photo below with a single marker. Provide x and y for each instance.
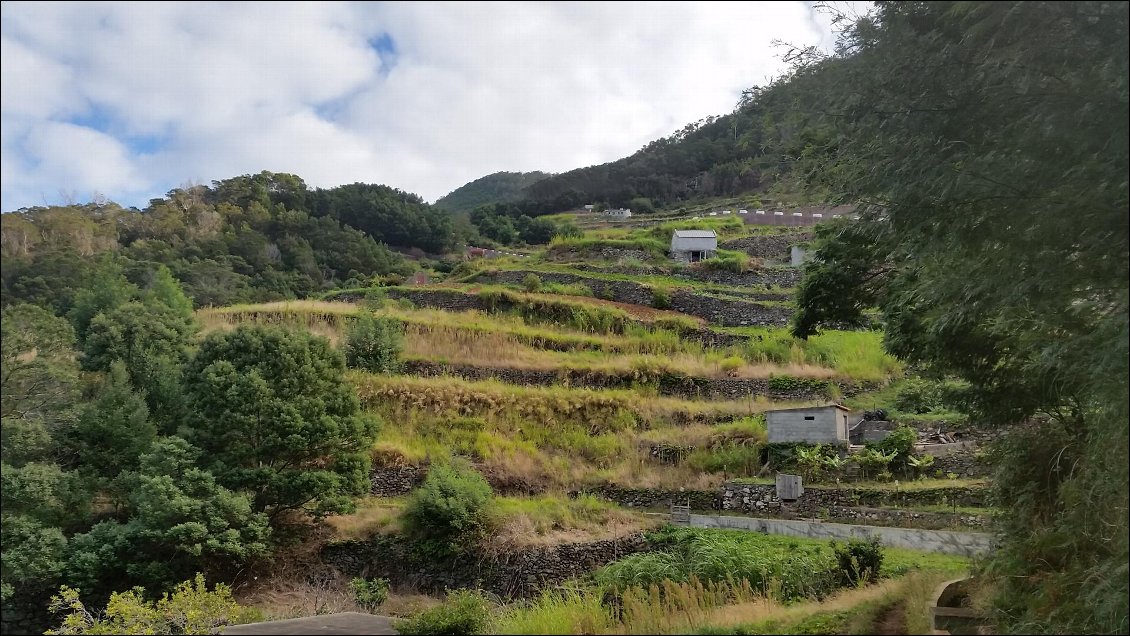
(691, 246)
(622, 213)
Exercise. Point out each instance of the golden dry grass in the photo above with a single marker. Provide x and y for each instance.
(500, 341)
(373, 515)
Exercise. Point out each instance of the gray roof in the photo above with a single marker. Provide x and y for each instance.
(810, 408)
(695, 234)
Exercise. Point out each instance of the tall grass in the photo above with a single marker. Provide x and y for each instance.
(780, 567)
(528, 341)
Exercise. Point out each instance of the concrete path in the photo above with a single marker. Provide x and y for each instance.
(342, 623)
(943, 541)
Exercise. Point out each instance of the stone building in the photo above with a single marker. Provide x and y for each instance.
(809, 424)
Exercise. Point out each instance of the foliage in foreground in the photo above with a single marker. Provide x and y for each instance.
(464, 612)
(190, 609)
(987, 144)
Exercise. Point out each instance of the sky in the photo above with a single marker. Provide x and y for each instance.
(128, 101)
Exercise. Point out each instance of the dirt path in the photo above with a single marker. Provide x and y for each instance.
(891, 620)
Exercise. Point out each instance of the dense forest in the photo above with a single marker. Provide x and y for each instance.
(250, 238)
(500, 187)
(747, 150)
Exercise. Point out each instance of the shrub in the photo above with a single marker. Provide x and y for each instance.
(731, 364)
(463, 612)
(859, 561)
(899, 444)
(369, 593)
(660, 298)
(531, 283)
(452, 504)
(375, 298)
(190, 609)
(727, 261)
(374, 344)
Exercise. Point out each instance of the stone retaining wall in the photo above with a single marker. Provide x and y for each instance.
(668, 384)
(782, 277)
(518, 574)
(720, 311)
(456, 300)
(942, 541)
(763, 497)
(769, 247)
(963, 463)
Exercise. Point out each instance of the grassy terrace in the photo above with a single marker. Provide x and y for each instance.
(718, 582)
(511, 341)
(514, 521)
(653, 279)
(558, 437)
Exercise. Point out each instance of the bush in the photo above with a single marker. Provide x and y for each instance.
(899, 444)
(369, 593)
(374, 344)
(375, 298)
(660, 298)
(918, 395)
(731, 364)
(531, 283)
(464, 612)
(451, 505)
(727, 261)
(859, 561)
(191, 609)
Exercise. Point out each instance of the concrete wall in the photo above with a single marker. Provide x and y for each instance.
(942, 541)
(826, 427)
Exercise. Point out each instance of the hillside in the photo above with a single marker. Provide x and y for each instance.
(500, 187)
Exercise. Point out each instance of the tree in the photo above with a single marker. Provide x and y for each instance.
(275, 418)
(38, 373)
(114, 430)
(374, 344)
(987, 147)
(108, 291)
(151, 341)
(178, 521)
(40, 386)
(166, 291)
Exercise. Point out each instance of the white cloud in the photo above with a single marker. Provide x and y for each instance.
(132, 99)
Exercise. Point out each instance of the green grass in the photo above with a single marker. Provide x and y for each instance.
(548, 437)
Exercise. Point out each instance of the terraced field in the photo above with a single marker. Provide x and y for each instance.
(593, 379)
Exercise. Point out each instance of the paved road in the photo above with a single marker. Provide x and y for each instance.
(343, 623)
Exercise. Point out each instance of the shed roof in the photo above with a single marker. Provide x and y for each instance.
(695, 234)
(810, 408)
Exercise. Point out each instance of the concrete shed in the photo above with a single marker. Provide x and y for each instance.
(809, 425)
(691, 246)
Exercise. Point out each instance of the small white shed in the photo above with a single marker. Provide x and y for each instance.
(809, 424)
(691, 246)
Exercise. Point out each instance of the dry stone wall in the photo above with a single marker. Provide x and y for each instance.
(516, 574)
(720, 311)
(770, 247)
(668, 384)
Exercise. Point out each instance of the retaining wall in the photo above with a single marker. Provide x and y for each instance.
(517, 574)
(666, 384)
(946, 542)
(720, 311)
